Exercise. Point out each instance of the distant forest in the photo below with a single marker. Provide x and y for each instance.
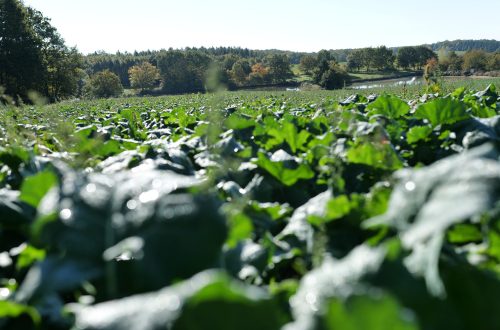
(35, 58)
(466, 45)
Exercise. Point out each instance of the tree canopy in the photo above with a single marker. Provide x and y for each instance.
(33, 56)
(144, 75)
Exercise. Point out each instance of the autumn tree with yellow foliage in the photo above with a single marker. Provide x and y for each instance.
(144, 76)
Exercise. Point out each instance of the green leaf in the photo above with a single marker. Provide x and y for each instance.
(238, 122)
(13, 310)
(338, 207)
(209, 300)
(279, 170)
(483, 111)
(29, 256)
(333, 279)
(288, 133)
(378, 155)
(369, 312)
(464, 233)
(176, 234)
(273, 210)
(35, 187)
(418, 133)
(389, 106)
(429, 201)
(108, 148)
(442, 111)
(240, 228)
(294, 139)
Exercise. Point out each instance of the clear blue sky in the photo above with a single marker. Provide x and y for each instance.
(307, 25)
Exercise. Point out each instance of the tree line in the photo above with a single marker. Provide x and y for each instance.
(490, 46)
(34, 57)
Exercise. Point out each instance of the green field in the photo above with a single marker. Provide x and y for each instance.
(253, 210)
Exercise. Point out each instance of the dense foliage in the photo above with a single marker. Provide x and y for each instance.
(104, 84)
(466, 45)
(234, 211)
(33, 56)
(144, 75)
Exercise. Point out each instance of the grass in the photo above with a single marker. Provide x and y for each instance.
(300, 76)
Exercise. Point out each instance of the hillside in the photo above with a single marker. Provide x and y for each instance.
(465, 45)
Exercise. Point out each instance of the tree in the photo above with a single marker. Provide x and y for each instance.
(21, 60)
(328, 74)
(105, 84)
(183, 71)
(228, 61)
(324, 55)
(64, 74)
(308, 63)
(493, 61)
(367, 56)
(240, 71)
(475, 59)
(335, 77)
(406, 57)
(259, 74)
(279, 68)
(354, 60)
(33, 56)
(424, 54)
(451, 63)
(143, 76)
(414, 57)
(382, 58)
(62, 66)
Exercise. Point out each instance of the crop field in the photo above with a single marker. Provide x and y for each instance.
(292, 210)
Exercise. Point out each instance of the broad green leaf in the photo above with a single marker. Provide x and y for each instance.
(10, 309)
(299, 227)
(279, 170)
(274, 210)
(181, 233)
(442, 111)
(291, 136)
(427, 202)
(35, 187)
(389, 106)
(377, 155)
(377, 312)
(108, 148)
(483, 111)
(238, 122)
(28, 256)
(338, 207)
(240, 228)
(418, 133)
(464, 233)
(333, 279)
(209, 300)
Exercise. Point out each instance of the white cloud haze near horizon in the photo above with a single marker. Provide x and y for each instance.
(129, 25)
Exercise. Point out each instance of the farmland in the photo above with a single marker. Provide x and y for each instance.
(254, 210)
